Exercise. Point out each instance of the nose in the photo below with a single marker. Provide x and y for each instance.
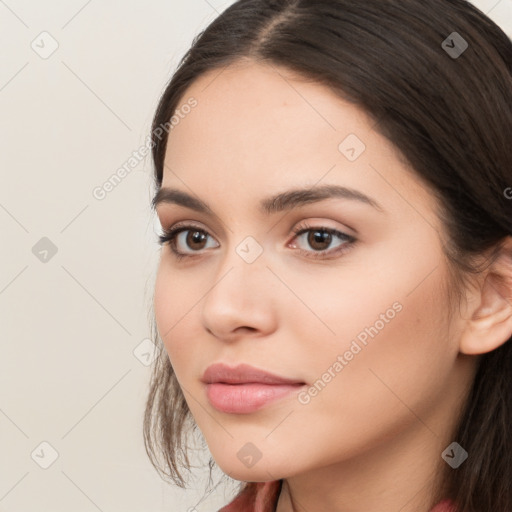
(241, 301)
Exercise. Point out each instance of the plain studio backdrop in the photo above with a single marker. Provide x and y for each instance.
(79, 82)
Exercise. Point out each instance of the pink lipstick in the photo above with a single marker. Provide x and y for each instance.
(244, 389)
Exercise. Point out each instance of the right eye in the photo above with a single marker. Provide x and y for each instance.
(186, 235)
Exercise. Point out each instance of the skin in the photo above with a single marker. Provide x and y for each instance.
(372, 438)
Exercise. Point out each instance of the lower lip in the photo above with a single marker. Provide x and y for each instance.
(246, 398)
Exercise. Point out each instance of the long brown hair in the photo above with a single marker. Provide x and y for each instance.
(450, 116)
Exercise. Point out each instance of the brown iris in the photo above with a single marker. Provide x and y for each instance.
(196, 237)
(319, 239)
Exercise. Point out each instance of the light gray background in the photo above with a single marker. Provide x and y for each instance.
(73, 326)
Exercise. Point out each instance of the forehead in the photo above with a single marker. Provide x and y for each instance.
(267, 100)
(260, 111)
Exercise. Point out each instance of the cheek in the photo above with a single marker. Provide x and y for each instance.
(395, 355)
(174, 307)
(390, 344)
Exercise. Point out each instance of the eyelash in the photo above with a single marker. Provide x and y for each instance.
(169, 237)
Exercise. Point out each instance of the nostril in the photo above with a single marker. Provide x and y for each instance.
(248, 328)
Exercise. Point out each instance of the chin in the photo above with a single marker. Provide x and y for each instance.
(261, 471)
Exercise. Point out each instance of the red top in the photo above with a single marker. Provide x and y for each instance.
(263, 496)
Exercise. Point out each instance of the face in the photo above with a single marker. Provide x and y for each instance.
(345, 295)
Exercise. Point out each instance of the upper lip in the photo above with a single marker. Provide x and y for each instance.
(243, 373)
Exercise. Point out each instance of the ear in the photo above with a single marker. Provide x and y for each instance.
(489, 324)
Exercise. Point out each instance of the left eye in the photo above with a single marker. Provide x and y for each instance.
(321, 238)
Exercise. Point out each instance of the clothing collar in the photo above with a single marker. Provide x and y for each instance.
(263, 496)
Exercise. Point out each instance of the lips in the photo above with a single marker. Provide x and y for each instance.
(245, 389)
(243, 374)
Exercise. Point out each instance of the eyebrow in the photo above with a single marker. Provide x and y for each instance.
(283, 201)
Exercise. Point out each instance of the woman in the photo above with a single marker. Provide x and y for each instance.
(334, 293)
